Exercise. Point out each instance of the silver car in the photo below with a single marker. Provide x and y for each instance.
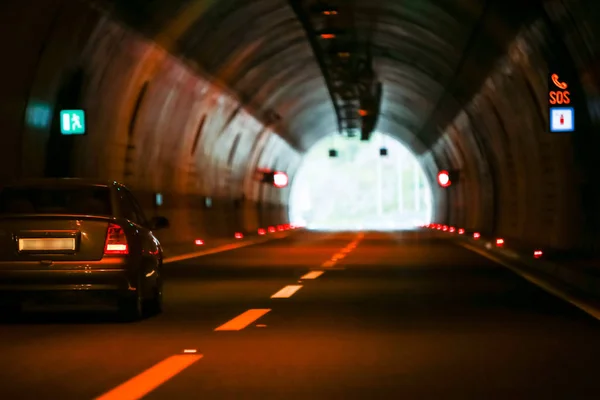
(63, 238)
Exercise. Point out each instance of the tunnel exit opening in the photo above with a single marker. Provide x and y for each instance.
(362, 188)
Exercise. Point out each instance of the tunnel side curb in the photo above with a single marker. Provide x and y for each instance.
(579, 289)
(217, 246)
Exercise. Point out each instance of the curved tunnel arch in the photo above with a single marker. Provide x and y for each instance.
(517, 181)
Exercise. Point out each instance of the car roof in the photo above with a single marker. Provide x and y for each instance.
(62, 182)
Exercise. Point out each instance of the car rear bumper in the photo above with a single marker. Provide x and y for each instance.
(61, 277)
(41, 281)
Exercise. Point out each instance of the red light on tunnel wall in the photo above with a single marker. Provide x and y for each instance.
(239, 235)
(280, 179)
(452, 229)
(271, 229)
(327, 35)
(461, 231)
(261, 231)
(443, 179)
(445, 228)
(476, 235)
(199, 242)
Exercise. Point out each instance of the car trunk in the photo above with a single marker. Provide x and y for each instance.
(40, 237)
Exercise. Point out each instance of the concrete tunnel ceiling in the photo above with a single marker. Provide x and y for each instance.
(431, 56)
(464, 86)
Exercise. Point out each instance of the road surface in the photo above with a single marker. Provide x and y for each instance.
(399, 315)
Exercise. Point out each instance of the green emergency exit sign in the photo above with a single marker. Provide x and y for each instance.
(72, 122)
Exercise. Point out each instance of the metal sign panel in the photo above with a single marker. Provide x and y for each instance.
(562, 119)
(72, 122)
(561, 109)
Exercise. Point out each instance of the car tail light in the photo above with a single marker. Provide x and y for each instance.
(476, 235)
(238, 235)
(279, 228)
(261, 231)
(537, 253)
(271, 229)
(116, 241)
(445, 228)
(199, 242)
(499, 242)
(461, 231)
(452, 229)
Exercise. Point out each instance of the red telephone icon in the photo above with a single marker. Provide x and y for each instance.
(559, 84)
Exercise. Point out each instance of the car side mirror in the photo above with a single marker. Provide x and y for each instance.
(159, 223)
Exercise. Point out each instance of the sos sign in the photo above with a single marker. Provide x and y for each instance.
(560, 95)
(560, 110)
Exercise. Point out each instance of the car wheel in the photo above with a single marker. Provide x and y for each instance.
(131, 307)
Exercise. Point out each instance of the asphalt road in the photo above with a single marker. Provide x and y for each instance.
(394, 316)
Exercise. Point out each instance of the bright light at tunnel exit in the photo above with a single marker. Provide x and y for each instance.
(359, 189)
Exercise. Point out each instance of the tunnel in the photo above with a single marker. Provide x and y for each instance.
(191, 104)
(186, 99)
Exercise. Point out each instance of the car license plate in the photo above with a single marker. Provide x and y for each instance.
(47, 244)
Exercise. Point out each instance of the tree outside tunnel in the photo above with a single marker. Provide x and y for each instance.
(360, 189)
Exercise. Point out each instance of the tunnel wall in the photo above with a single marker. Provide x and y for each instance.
(518, 181)
(154, 123)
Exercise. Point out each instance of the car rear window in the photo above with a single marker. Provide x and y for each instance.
(51, 200)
